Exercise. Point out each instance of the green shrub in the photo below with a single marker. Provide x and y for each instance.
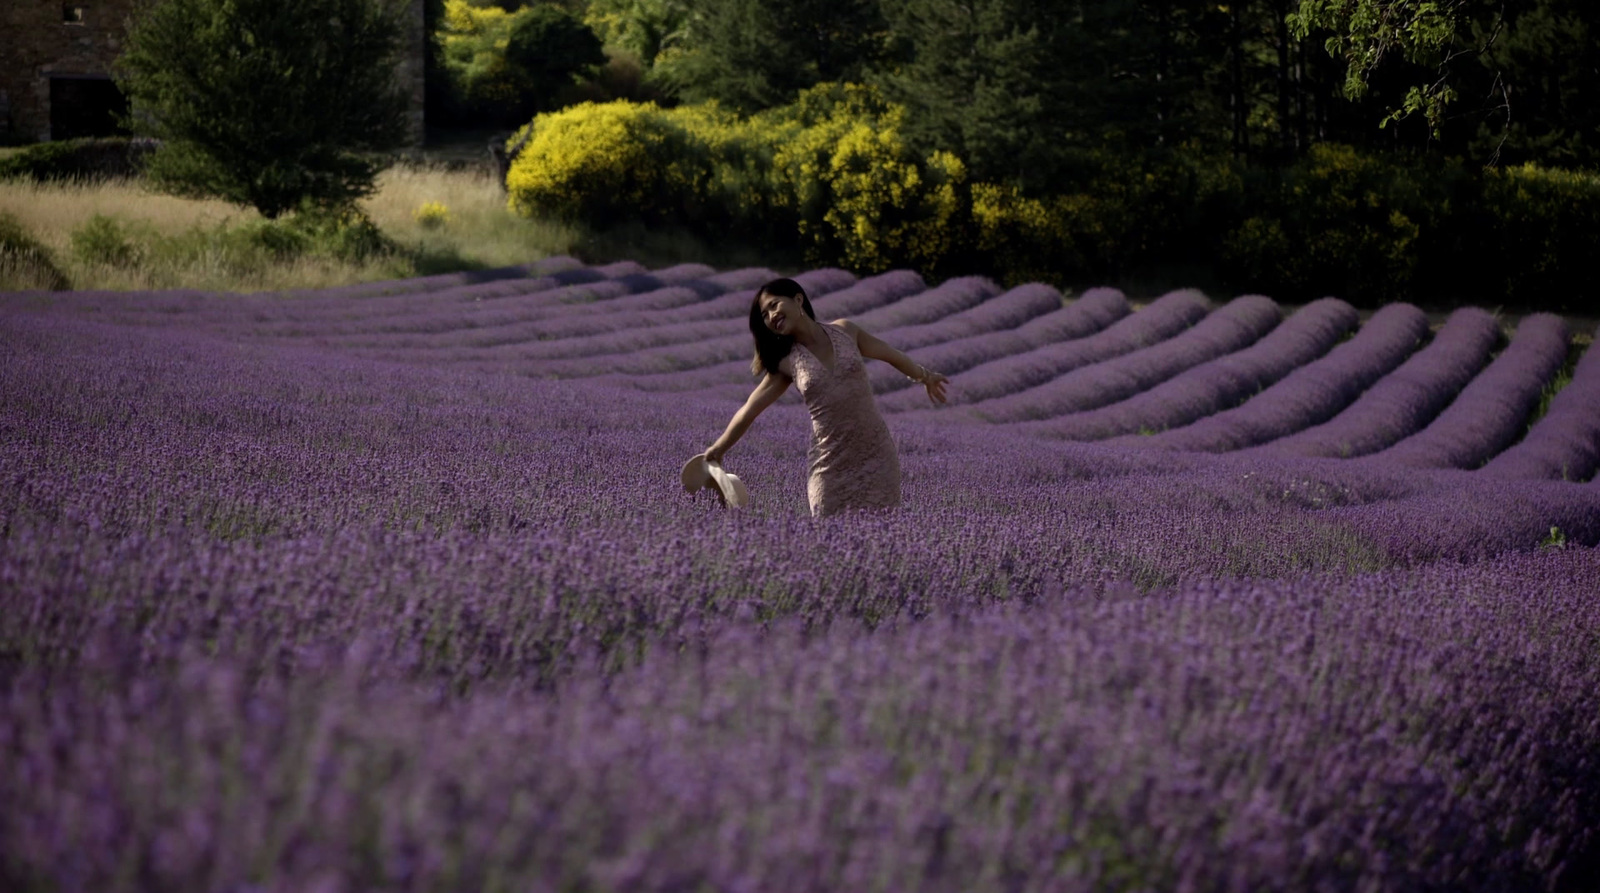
(105, 240)
(344, 234)
(1335, 222)
(247, 248)
(25, 263)
(266, 103)
(1539, 231)
(258, 242)
(80, 159)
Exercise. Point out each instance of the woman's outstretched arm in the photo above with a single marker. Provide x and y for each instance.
(875, 348)
(770, 388)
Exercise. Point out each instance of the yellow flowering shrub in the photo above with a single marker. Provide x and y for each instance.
(598, 163)
(888, 208)
(431, 215)
(738, 190)
(858, 195)
(472, 45)
(833, 175)
(833, 170)
(1049, 239)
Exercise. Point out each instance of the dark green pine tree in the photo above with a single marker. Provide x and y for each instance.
(268, 103)
(1025, 90)
(756, 54)
(982, 79)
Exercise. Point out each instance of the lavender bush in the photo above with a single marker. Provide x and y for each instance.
(1492, 410)
(1226, 330)
(281, 610)
(1215, 385)
(996, 313)
(1565, 443)
(1310, 394)
(1405, 400)
(1164, 318)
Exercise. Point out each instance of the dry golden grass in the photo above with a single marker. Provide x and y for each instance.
(480, 227)
(480, 233)
(52, 211)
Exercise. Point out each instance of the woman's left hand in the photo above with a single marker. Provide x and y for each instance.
(935, 383)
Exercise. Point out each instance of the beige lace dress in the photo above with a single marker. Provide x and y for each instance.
(854, 463)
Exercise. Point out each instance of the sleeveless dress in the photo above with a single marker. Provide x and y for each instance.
(853, 460)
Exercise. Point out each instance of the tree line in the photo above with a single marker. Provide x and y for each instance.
(1021, 88)
(1376, 149)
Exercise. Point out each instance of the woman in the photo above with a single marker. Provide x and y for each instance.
(852, 457)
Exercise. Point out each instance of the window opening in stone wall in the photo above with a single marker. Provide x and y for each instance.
(86, 106)
(73, 14)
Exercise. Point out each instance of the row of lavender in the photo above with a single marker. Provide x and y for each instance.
(283, 607)
(1318, 383)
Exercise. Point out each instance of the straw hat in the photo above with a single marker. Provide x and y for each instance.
(698, 474)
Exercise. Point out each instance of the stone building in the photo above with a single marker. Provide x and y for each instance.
(55, 68)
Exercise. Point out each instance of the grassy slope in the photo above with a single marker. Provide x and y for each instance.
(481, 233)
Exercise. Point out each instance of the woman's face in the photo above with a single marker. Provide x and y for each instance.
(782, 315)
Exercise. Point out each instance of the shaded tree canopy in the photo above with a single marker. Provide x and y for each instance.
(546, 49)
(755, 54)
(503, 65)
(1502, 80)
(645, 28)
(1021, 90)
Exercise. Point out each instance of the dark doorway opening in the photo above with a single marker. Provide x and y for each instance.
(85, 106)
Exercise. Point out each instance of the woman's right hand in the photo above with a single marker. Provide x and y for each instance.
(713, 456)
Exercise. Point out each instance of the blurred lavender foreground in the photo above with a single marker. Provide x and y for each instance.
(388, 588)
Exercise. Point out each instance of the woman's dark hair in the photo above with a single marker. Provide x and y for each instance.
(771, 347)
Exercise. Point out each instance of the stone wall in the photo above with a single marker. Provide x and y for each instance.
(45, 40)
(48, 39)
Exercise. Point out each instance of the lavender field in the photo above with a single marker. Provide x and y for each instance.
(393, 587)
